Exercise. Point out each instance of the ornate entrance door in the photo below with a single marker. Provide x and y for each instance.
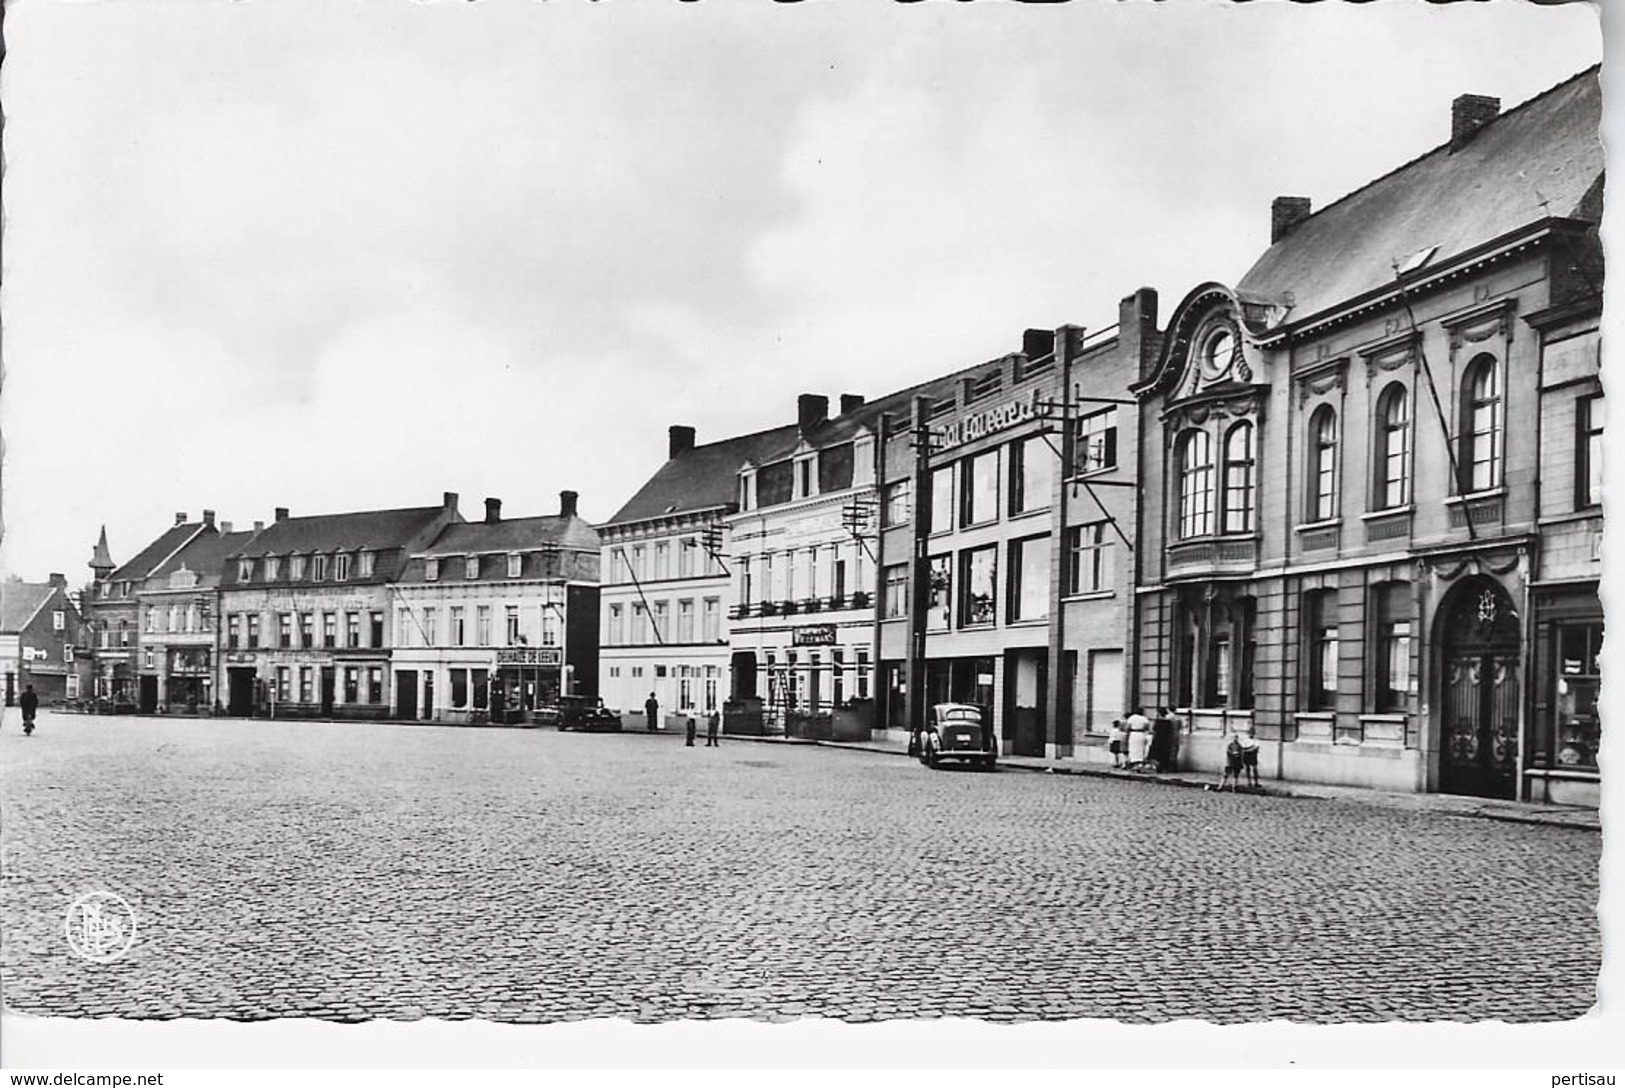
(1478, 733)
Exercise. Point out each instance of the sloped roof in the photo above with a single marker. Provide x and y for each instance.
(372, 529)
(514, 535)
(1547, 150)
(20, 602)
(205, 556)
(148, 559)
(702, 478)
(100, 556)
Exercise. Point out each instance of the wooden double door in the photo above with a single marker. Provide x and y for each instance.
(1482, 692)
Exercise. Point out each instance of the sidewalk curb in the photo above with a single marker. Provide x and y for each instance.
(1574, 820)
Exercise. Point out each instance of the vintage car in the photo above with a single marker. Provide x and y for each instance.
(956, 731)
(589, 715)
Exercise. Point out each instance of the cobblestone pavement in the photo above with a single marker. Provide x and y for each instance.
(361, 871)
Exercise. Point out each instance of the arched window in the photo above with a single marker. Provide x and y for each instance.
(1393, 445)
(1481, 431)
(1323, 464)
(1240, 479)
(1195, 454)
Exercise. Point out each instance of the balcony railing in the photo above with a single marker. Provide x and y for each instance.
(1224, 554)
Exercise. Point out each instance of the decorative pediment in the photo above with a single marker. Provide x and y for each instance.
(1490, 321)
(1321, 380)
(1242, 403)
(1392, 353)
(181, 578)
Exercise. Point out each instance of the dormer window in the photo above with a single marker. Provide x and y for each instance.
(245, 570)
(273, 568)
(471, 567)
(431, 570)
(366, 564)
(515, 565)
(296, 567)
(341, 566)
(318, 571)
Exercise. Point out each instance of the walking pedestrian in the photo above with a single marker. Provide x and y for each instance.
(1249, 756)
(651, 711)
(30, 704)
(713, 725)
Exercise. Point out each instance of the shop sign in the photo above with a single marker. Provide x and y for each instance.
(981, 424)
(529, 655)
(814, 634)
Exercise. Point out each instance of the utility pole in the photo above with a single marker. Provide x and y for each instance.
(919, 595)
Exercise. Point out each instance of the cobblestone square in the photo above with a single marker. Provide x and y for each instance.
(374, 871)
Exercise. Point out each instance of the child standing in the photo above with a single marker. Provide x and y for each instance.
(1232, 764)
(1249, 757)
(1117, 737)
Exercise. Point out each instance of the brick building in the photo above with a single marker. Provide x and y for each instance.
(40, 640)
(1370, 475)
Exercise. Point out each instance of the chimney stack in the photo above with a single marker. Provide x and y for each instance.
(567, 504)
(1037, 343)
(1137, 328)
(1468, 114)
(1286, 212)
(180, 517)
(58, 580)
(282, 513)
(259, 526)
(811, 410)
(493, 511)
(850, 402)
(208, 518)
(225, 526)
(448, 501)
(680, 440)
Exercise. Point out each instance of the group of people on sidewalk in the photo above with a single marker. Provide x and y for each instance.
(1138, 743)
(713, 723)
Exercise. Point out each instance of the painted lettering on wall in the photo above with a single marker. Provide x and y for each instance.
(981, 424)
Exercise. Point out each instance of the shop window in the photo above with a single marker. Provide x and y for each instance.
(482, 689)
(375, 685)
(1578, 732)
(896, 591)
(940, 593)
(1029, 578)
(284, 684)
(459, 688)
(1095, 444)
(307, 684)
(1391, 610)
(978, 579)
(980, 480)
(1194, 457)
(1482, 421)
(1393, 447)
(1322, 468)
(1588, 451)
(352, 684)
(942, 499)
(1032, 474)
(1240, 479)
(1321, 646)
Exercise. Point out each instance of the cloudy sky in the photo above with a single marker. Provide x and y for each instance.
(350, 256)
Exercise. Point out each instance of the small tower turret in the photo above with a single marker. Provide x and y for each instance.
(101, 561)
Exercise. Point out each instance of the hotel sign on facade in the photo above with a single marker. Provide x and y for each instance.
(530, 655)
(977, 425)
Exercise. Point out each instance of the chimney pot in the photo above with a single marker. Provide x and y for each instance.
(448, 500)
(282, 513)
(567, 504)
(493, 511)
(225, 526)
(180, 517)
(811, 410)
(58, 580)
(1468, 114)
(259, 525)
(680, 440)
(850, 402)
(208, 518)
(1286, 212)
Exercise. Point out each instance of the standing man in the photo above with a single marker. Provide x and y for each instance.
(30, 705)
(712, 721)
(651, 710)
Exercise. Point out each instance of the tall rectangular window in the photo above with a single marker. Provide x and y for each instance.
(686, 548)
(510, 620)
(307, 630)
(403, 627)
(377, 624)
(1095, 446)
(431, 570)
(1029, 578)
(430, 634)
(318, 572)
(685, 621)
(367, 564)
(939, 601)
(352, 684)
(942, 499)
(284, 684)
(1032, 473)
(482, 625)
(330, 630)
(662, 561)
(352, 630)
(307, 686)
(896, 591)
(1320, 626)
(459, 689)
(284, 623)
(471, 566)
(712, 620)
(1588, 451)
(662, 631)
(458, 634)
(516, 564)
(896, 509)
(979, 586)
(981, 483)
(375, 685)
(1089, 567)
(1393, 647)
(341, 566)
(253, 630)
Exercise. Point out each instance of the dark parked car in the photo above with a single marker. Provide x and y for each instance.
(580, 712)
(957, 731)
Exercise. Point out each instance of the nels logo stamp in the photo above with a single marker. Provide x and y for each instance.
(100, 926)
